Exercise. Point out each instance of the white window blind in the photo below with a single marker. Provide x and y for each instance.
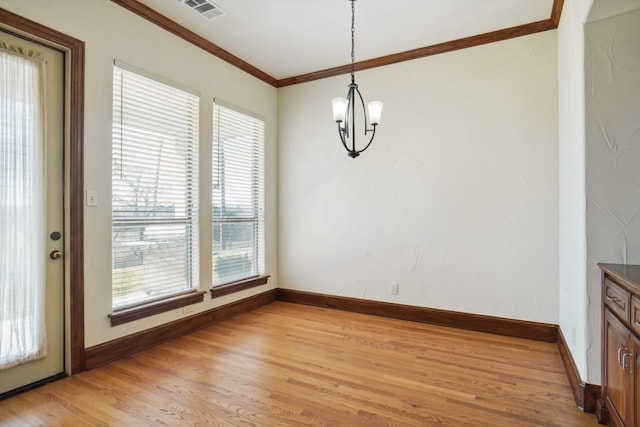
(154, 190)
(238, 195)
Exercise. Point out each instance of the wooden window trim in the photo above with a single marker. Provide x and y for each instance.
(240, 285)
(149, 309)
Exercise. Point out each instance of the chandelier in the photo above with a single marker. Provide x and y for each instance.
(344, 109)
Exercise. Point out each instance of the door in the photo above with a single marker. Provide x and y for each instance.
(33, 219)
(618, 385)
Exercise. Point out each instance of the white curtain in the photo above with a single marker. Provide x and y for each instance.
(22, 207)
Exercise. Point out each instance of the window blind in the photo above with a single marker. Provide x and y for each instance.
(154, 190)
(238, 195)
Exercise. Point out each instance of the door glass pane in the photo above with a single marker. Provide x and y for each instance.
(22, 245)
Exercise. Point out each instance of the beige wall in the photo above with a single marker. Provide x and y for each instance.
(111, 32)
(457, 198)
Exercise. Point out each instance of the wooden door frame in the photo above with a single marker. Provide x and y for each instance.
(74, 65)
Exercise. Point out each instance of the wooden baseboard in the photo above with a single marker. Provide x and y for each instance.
(104, 353)
(602, 413)
(585, 394)
(475, 322)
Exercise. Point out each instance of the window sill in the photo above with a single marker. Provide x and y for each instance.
(145, 310)
(238, 286)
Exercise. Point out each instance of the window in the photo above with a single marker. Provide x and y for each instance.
(155, 230)
(238, 196)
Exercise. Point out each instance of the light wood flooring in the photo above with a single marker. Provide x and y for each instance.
(293, 365)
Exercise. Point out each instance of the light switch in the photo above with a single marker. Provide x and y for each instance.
(92, 197)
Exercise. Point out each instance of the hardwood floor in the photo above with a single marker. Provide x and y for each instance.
(292, 365)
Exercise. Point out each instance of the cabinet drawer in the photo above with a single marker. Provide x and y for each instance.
(617, 299)
(635, 315)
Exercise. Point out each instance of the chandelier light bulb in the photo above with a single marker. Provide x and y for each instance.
(375, 111)
(339, 109)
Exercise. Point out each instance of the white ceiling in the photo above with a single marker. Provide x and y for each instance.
(286, 38)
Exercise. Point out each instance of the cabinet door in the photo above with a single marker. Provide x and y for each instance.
(617, 380)
(636, 375)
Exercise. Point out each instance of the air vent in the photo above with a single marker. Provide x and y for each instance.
(205, 8)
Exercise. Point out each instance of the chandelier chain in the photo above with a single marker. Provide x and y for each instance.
(353, 37)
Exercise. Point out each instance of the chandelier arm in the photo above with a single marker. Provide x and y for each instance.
(341, 134)
(364, 110)
(370, 140)
(349, 119)
(352, 103)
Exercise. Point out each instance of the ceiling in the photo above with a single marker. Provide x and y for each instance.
(285, 38)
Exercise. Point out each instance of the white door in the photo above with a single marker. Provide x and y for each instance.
(45, 217)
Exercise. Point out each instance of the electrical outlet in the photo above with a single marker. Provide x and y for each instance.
(394, 289)
(92, 197)
(188, 309)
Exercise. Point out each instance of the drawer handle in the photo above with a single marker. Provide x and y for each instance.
(616, 300)
(620, 350)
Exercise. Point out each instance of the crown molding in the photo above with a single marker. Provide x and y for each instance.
(556, 12)
(422, 52)
(173, 27)
(507, 33)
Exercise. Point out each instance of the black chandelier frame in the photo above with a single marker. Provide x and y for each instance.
(347, 127)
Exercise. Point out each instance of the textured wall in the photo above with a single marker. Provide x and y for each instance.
(612, 155)
(603, 9)
(456, 200)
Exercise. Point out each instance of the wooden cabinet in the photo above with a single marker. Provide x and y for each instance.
(620, 399)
